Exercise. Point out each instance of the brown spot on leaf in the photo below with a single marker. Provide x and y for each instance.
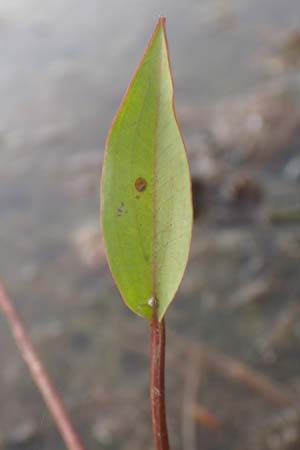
(140, 184)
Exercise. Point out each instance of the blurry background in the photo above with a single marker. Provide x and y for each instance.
(233, 369)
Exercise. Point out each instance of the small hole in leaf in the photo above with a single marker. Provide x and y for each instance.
(140, 184)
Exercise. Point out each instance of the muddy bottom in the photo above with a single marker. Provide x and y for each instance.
(233, 332)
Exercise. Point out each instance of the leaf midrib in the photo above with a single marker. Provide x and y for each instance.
(155, 201)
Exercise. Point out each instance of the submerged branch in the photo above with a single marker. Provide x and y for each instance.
(39, 374)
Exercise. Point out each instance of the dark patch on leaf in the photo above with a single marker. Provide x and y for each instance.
(121, 210)
(140, 184)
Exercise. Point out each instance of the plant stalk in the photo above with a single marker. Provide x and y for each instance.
(157, 382)
(39, 374)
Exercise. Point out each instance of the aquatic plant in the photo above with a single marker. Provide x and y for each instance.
(146, 206)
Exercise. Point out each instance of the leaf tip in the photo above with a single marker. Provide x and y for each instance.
(161, 21)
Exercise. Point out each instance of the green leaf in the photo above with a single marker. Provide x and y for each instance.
(146, 187)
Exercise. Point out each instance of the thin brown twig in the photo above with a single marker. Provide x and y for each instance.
(238, 371)
(191, 385)
(39, 374)
(231, 368)
(282, 326)
(157, 382)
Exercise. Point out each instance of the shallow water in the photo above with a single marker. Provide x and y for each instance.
(64, 67)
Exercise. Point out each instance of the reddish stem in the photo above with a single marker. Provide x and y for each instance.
(39, 374)
(157, 382)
